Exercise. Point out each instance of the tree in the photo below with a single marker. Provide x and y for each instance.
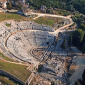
(52, 83)
(19, 7)
(40, 68)
(70, 5)
(63, 45)
(80, 34)
(70, 40)
(82, 26)
(77, 37)
(70, 8)
(83, 48)
(9, 6)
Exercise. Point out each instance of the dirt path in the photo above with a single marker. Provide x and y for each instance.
(80, 65)
(14, 62)
(51, 15)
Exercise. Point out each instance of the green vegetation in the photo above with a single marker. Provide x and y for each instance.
(62, 12)
(50, 21)
(71, 5)
(8, 25)
(78, 18)
(79, 34)
(82, 26)
(59, 12)
(11, 16)
(5, 81)
(19, 7)
(78, 38)
(52, 83)
(4, 57)
(46, 21)
(17, 70)
(40, 68)
(9, 6)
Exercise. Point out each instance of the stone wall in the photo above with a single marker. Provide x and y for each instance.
(11, 76)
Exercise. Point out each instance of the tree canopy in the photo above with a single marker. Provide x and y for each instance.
(70, 5)
(9, 6)
(82, 26)
(77, 36)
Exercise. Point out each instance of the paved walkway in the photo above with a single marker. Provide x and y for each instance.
(80, 65)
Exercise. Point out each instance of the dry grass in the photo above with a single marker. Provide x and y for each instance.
(46, 21)
(6, 58)
(18, 71)
(12, 16)
(50, 21)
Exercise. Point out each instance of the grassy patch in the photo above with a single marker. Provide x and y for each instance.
(14, 16)
(4, 57)
(46, 21)
(7, 24)
(17, 70)
(5, 81)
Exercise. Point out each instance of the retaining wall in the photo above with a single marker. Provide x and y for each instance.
(11, 76)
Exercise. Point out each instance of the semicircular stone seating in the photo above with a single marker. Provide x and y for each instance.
(21, 43)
